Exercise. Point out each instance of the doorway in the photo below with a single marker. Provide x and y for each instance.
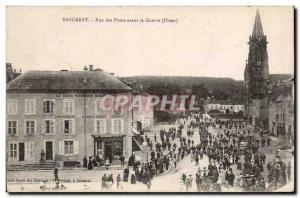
(49, 150)
(108, 152)
(21, 151)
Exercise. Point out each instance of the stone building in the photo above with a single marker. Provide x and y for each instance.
(256, 76)
(58, 112)
(227, 107)
(268, 98)
(281, 111)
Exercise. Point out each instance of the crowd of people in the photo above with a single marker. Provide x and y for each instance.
(235, 149)
(236, 157)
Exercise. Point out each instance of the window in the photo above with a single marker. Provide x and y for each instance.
(12, 107)
(69, 147)
(68, 127)
(69, 106)
(48, 127)
(29, 127)
(117, 126)
(13, 150)
(48, 106)
(12, 127)
(100, 126)
(30, 106)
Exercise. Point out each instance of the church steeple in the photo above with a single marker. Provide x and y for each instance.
(257, 28)
(256, 72)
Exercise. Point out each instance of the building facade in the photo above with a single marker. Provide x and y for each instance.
(281, 111)
(224, 107)
(58, 113)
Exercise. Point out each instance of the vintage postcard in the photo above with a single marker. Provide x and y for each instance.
(150, 99)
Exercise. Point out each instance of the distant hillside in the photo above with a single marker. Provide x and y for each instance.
(220, 88)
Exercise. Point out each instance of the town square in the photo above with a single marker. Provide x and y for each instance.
(221, 123)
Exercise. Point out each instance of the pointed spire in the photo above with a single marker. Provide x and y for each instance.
(257, 28)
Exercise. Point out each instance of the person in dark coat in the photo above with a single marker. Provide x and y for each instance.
(133, 180)
(125, 174)
(56, 174)
(90, 163)
(85, 161)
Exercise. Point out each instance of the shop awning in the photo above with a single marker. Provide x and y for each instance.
(108, 135)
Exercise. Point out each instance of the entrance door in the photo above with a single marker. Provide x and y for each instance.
(21, 151)
(108, 152)
(49, 150)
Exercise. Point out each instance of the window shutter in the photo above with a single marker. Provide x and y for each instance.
(61, 126)
(24, 127)
(119, 126)
(61, 147)
(72, 127)
(75, 147)
(43, 127)
(52, 106)
(73, 107)
(96, 126)
(44, 107)
(52, 126)
(27, 151)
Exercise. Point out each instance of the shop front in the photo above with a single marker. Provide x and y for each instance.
(111, 148)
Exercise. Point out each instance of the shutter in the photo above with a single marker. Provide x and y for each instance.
(52, 126)
(73, 106)
(27, 151)
(102, 126)
(17, 128)
(61, 126)
(72, 127)
(43, 127)
(75, 147)
(44, 107)
(24, 127)
(52, 106)
(61, 147)
(119, 126)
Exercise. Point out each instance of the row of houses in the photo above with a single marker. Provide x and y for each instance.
(277, 109)
(225, 107)
(57, 113)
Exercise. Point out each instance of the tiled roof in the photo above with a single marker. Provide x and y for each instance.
(279, 77)
(66, 81)
(282, 90)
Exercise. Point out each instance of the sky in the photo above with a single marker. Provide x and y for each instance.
(205, 41)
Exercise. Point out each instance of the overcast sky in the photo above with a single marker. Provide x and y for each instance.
(206, 41)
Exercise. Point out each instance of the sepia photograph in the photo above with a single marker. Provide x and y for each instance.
(161, 99)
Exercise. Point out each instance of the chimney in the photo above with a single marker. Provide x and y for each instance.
(85, 68)
(20, 71)
(91, 67)
(15, 71)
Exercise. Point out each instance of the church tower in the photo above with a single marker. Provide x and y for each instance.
(256, 72)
